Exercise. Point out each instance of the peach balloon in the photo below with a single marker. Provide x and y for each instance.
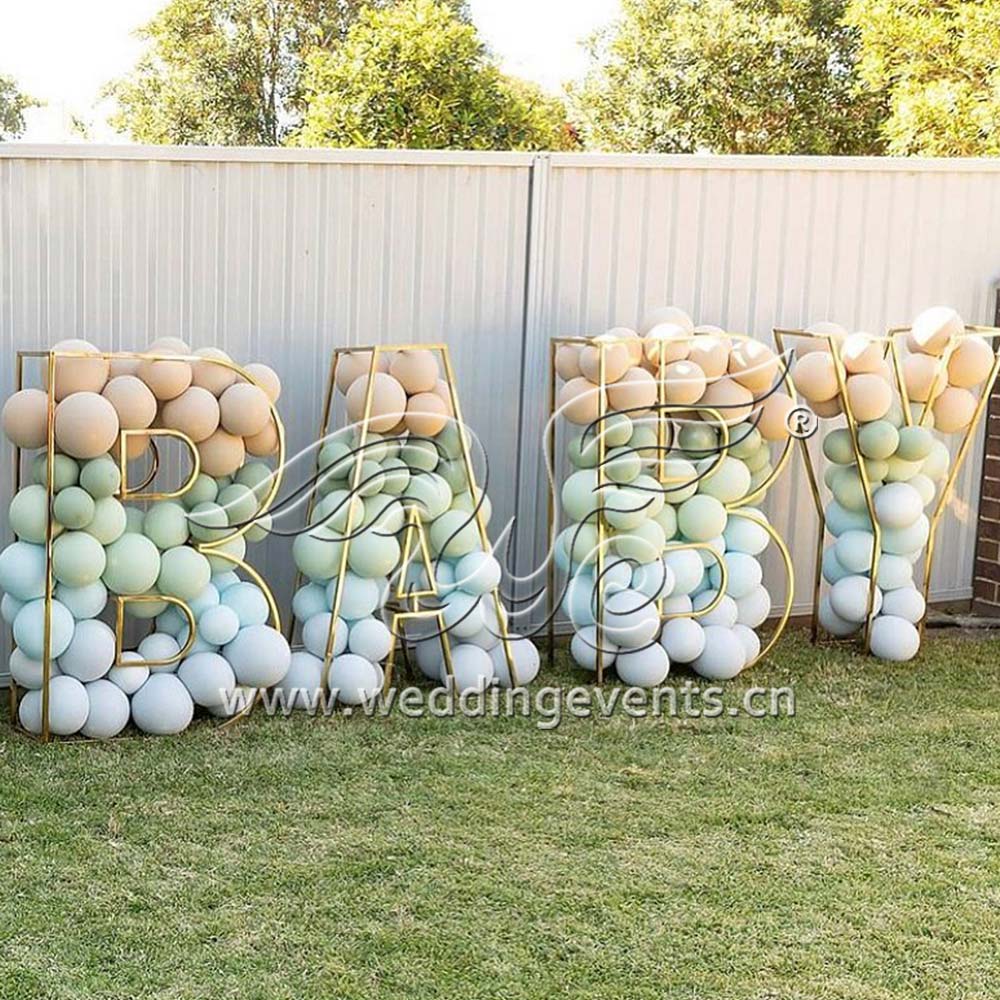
(733, 401)
(775, 412)
(815, 376)
(168, 345)
(442, 391)
(954, 410)
(831, 408)
(266, 378)
(132, 400)
(77, 374)
(754, 365)
(666, 342)
(244, 409)
(195, 412)
(426, 414)
(388, 401)
(710, 351)
(919, 374)
(820, 339)
(137, 445)
(971, 362)
(631, 340)
(206, 375)
(666, 314)
(26, 418)
(221, 454)
(123, 366)
(350, 367)
(415, 370)
(684, 383)
(870, 396)
(86, 425)
(933, 328)
(616, 362)
(579, 401)
(265, 443)
(167, 379)
(634, 391)
(862, 353)
(568, 361)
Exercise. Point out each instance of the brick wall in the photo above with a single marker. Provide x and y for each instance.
(986, 575)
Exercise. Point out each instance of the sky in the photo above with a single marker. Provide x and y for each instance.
(64, 51)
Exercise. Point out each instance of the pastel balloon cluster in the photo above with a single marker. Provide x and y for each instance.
(668, 509)
(410, 458)
(104, 549)
(906, 462)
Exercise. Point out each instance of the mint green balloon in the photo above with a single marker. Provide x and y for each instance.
(334, 510)
(582, 450)
(101, 477)
(261, 528)
(900, 471)
(878, 440)
(384, 511)
(27, 514)
(134, 518)
(184, 573)
(625, 509)
(372, 555)
(616, 429)
(78, 559)
(652, 493)
(667, 520)
(698, 440)
(728, 483)
(396, 475)
(235, 547)
(622, 465)
(371, 479)
(449, 442)
(645, 440)
(924, 487)
(258, 477)
(680, 480)
(431, 495)
(644, 544)
(73, 508)
(110, 521)
(895, 414)
(133, 564)
(581, 543)
(452, 470)
(66, 471)
(335, 460)
(915, 444)
(848, 490)
(166, 525)
(203, 490)
(701, 519)
(760, 459)
(208, 522)
(464, 501)
(838, 446)
(455, 523)
(580, 497)
(423, 455)
(935, 466)
(376, 448)
(744, 440)
(239, 503)
(760, 477)
(317, 553)
(877, 470)
(917, 413)
(144, 610)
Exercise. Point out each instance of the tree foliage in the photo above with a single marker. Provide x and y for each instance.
(414, 75)
(727, 76)
(13, 104)
(228, 72)
(938, 64)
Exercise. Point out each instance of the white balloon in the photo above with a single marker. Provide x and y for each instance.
(849, 598)
(209, 679)
(28, 672)
(129, 678)
(906, 603)
(91, 651)
(353, 679)
(750, 640)
(643, 667)
(838, 627)
(471, 666)
(683, 639)
(584, 649)
(302, 684)
(68, 707)
(894, 639)
(724, 613)
(316, 632)
(724, 654)
(753, 609)
(371, 639)
(527, 661)
(631, 619)
(259, 655)
(109, 710)
(162, 706)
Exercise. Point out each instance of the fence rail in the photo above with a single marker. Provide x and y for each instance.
(282, 255)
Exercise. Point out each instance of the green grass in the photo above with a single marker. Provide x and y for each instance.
(849, 852)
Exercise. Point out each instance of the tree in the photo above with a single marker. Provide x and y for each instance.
(13, 104)
(228, 72)
(414, 75)
(936, 63)
(727, 76)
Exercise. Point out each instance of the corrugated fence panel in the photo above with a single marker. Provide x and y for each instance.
(750, 246)
(282, 255)
(277, 262)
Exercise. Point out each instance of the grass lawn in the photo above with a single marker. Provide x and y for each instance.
(851, 851)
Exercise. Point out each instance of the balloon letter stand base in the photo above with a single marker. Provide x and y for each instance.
(99, 554)
(899, 401)
(673, 434)
(396, 551)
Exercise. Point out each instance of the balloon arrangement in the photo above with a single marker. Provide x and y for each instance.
(81, 552)
(399, 480)
(672, 451)
(900, 397)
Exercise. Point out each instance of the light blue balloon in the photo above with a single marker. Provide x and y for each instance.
(218, 625)
(29, 629)
(832, 570)
(579, 600)
(83, 602)
(894, 572)
(359, 598)
(371, 639)
(22, 571)
(743, 574)
(855, 550)
(173, 621)
(744, 534)
(309, 600)
(223, 581)
(9, 608)
(839, 519)
(208, 598)
(249, 603)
